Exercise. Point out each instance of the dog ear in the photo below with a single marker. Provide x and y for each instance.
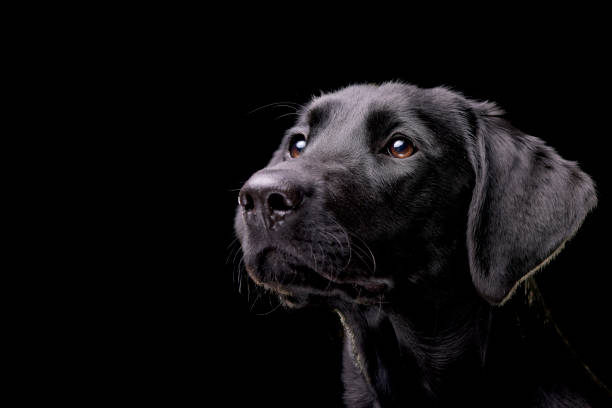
(527, 202)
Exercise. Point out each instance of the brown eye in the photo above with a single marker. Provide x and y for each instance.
(400, 147)
(297, 145)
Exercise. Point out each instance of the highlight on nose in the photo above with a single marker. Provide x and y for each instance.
(271, 197)
(246, 201)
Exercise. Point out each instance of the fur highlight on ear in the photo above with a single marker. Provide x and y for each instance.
(527, 202)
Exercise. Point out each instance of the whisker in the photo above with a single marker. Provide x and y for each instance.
(235, 266)
(270, 105)
(241, 274)
(267, 313)
(232, 190)
(233, 251)
(333, 237)
(294, 274)
(238, 251)
(329, 273)
(316, 268)
(248, 285)
(295, 108)
(233, 241)
(254, 302)
(362, 242)
(231, 254)
(361, 254)
(287, 114)
(332, 267)
(348, 241)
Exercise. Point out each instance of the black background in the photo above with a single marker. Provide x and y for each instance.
(174, 326)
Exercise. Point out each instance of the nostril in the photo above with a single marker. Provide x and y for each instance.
(246, 201)
(278, 202)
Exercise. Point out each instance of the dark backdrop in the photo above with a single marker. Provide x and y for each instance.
(187, 334)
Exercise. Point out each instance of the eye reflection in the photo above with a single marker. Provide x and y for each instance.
(297, 145)
(400, 147)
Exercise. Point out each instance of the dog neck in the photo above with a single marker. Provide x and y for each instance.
(425, 353)
(408, 355)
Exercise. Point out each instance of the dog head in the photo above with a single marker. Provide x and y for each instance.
(377, 189)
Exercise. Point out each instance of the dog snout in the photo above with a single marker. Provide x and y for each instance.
(271, 197)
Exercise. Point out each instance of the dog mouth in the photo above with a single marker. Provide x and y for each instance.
(297, 283)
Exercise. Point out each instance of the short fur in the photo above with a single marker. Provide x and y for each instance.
(416, 255)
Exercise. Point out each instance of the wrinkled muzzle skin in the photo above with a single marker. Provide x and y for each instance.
(368, 224)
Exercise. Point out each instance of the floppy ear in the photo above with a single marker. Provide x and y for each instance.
(527, 202)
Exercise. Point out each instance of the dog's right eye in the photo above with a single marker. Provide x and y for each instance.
(297, 145)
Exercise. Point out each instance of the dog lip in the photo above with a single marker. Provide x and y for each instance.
(372, 285)
(323, 284)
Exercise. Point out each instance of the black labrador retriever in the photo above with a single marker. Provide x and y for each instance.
(414, 214)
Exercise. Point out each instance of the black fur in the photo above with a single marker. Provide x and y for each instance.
(417, 254)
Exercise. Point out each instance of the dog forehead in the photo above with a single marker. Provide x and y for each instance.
(364, 98)
(353, 108)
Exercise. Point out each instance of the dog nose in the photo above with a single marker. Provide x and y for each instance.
(272, 196)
